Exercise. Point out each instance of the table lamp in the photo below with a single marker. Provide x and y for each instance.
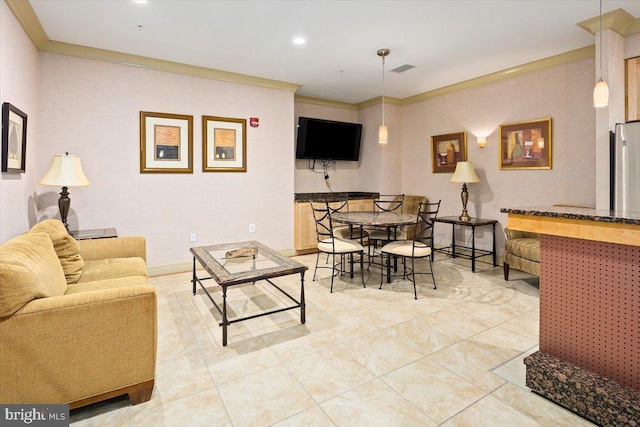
(65, 171)
(464, 173)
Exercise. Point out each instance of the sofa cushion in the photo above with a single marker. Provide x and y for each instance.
(113, 268)
(29, 269)
(524, 247)
(67, 248)
(100, 285)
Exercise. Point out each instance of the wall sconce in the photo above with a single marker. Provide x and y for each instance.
(482, 141)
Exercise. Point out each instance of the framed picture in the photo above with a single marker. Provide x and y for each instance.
(166, 143)
(14, 139)
(632, 90)
(447, 150)
(224, 144)
(526, 145)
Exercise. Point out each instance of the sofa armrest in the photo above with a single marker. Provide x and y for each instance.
(71, 347)
(517, 234)
(117, 247)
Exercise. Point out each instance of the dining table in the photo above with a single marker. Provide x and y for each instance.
(384, 219)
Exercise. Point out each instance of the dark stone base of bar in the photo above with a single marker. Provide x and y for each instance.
(585, 393)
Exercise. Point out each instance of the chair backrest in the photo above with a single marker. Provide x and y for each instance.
(389, 203)
(425, 220)
(338, 205)
(322, 218)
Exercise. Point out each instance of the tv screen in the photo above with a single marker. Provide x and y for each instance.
(328, 140)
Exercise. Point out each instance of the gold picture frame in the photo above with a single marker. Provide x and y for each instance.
(526, 145)
(166, 143)
(224, 144)
(447, 150)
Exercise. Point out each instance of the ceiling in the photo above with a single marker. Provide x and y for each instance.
(447, 41)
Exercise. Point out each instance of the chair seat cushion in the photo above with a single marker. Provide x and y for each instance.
(524, 248)
(385, 235)
(339, 246)
(406, 248)
(349, 233)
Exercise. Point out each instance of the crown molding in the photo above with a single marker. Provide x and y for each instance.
(325, 102)
(618, 20)
(25, 14)
(378, 100)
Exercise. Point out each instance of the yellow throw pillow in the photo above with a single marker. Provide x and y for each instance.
(67, 248)
(29, 269)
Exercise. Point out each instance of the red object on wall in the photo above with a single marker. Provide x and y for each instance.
(254, 122)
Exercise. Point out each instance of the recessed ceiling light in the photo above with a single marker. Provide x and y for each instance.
(299, 40)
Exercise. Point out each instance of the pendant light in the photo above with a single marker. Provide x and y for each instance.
(601, 91)
(383, 132)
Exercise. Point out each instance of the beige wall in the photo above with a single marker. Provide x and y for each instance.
(18, 86)
(91, 109)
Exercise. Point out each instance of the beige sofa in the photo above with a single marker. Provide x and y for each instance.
(522, 252)
(78, 320)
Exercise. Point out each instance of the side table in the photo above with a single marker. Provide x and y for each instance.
(475, 253)
(96, 233)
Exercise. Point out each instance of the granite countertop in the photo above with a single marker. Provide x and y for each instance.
(332, 197)
(571, 212)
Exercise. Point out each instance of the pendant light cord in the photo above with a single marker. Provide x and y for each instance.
(601, 40)
(383, 90)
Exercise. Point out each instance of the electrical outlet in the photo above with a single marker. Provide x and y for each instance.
(192, 237)
(252, 228)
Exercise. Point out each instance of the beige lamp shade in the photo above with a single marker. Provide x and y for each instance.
(464, 173)
(65, 171)
(601, 94)
(383, 135)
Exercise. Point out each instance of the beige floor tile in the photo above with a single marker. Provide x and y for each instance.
(201, 409)
(514, 370)
(297, 342)
(491, 412)
(329, 372)
(538, 408)
(380, 352)
(472, 362)
(264, 398)
(526, 324)
(422, 337)
(459, 322)
(437, 392)
(110, 413)
(382, 314)
(503, 342)
(314, 417)
(223, 371)
(374, 404)
(349, 326)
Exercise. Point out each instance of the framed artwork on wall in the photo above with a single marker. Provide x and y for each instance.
(526, 145)
(166, 143)
(224, 144)
(14, 139)
(447, 150)
(632, 89)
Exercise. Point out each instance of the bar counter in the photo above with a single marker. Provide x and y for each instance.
(589, 355)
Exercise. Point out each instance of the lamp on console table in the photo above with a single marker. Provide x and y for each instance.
(464, 173)
(65, 171)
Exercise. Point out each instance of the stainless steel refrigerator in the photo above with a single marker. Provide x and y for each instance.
(625, 167)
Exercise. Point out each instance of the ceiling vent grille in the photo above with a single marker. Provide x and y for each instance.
(402, 68)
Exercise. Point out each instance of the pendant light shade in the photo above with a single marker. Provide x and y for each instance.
(601, 91)
(383, 131)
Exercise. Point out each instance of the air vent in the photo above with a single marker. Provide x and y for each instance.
(403, 68)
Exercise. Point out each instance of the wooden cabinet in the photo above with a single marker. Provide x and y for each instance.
(304, 231)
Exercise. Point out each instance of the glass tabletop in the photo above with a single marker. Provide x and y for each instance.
(228, 270)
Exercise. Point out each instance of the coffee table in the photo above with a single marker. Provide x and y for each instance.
(266, 264)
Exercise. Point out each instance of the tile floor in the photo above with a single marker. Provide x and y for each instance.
(365, 357)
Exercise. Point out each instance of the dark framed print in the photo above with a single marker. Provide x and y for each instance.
(447, 150)
(526, 145)
(14, 139)
(224, 144)
(166, 143)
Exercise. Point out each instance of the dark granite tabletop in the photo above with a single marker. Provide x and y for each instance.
(334, 197)
(570, 212)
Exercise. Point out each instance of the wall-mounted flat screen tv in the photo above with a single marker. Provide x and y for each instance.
(328, 140)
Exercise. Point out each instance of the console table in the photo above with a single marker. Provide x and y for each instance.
(452, 250)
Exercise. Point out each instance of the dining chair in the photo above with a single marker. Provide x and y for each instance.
(346, 231)
(378, 235)
(334, 246)
(421, 246)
